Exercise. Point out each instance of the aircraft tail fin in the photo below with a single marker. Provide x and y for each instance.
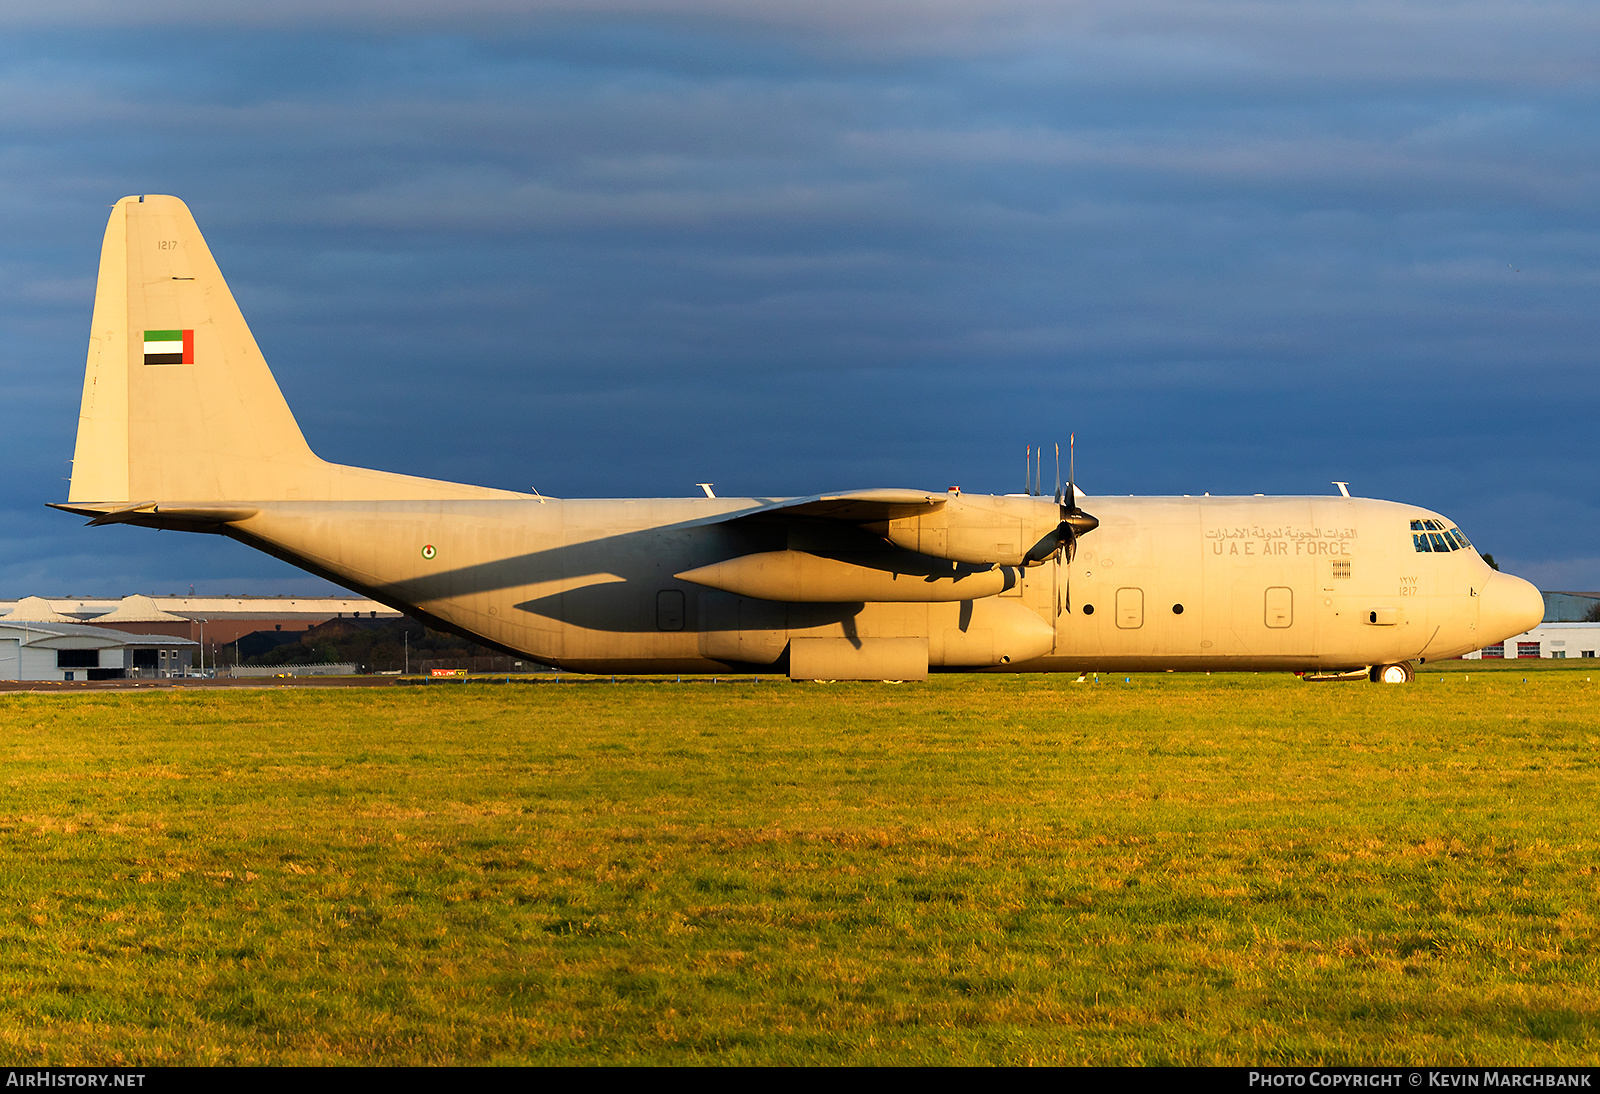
(178, 402)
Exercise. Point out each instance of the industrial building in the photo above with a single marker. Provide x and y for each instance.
(33, 650)
(1546, 640)
(211, 622)
(1560, 607)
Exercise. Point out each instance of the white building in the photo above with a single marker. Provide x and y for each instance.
(75, 651)
(1547, 640)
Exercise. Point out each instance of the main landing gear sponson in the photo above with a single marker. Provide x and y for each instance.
(1402, 673)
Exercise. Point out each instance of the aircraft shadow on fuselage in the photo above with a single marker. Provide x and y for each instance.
(629, 568)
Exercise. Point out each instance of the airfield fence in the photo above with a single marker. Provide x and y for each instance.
(496, 663)
(340, 669)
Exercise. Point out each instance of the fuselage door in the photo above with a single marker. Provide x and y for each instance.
(669, 610)
(1130, 608)
(1280, 607)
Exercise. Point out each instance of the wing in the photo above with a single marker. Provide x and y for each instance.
(852, 507)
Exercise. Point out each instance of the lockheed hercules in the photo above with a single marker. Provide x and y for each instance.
(183, 427)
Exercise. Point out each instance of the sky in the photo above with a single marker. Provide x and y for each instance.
(615, 249)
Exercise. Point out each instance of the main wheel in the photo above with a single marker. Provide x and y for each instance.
(1392, 674)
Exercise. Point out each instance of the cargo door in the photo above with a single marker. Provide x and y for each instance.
(736, 628)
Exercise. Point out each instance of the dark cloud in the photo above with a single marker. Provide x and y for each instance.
(1236, 247)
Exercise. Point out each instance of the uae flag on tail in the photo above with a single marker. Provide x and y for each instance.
(169, 347)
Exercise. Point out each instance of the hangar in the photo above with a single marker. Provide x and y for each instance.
(211, 621)
(1569, 607)
(32, 650)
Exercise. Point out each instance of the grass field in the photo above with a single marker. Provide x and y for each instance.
(1176, 869)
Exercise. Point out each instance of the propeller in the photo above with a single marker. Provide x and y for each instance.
(1074, 522)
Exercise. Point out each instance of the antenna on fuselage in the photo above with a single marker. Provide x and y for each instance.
(706, 486)
(1344, 487)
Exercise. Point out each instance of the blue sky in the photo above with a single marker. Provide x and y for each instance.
(615, 249)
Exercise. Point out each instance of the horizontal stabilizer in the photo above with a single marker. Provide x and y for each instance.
(149, 514)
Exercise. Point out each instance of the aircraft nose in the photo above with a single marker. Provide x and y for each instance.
(1509, 606)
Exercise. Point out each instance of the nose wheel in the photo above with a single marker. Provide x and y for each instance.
(1402, 673)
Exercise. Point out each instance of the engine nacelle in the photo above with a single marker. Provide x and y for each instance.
(1013, 530)
(801, 577)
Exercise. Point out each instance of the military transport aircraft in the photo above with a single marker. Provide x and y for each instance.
(183, 427)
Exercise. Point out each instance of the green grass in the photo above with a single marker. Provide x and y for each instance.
(1178, 869)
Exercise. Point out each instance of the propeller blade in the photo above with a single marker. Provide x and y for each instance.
(1074, 521)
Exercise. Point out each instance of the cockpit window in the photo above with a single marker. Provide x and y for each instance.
(1434, 536)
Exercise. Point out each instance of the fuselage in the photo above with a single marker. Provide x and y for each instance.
(1185, 583)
